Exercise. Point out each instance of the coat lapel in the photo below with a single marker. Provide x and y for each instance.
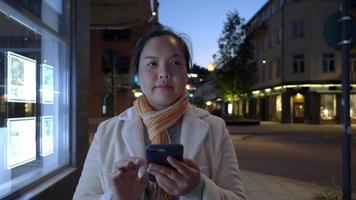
(193, 133)
(134, 138)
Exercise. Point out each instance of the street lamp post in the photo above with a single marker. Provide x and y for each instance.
(345, 100)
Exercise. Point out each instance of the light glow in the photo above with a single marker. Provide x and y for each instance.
(229, 108)
(137, 94)
(211, 67)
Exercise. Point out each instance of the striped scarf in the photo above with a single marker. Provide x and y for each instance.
(157, 123)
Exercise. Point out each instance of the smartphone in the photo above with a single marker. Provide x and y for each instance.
(158, 154)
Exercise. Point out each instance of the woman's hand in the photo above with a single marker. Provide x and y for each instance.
(176, 183)
(128, 185)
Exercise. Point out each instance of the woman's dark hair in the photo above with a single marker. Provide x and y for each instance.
(156, 32)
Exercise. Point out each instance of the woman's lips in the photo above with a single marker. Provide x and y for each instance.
(164, 87)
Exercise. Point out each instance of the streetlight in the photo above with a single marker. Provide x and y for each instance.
(211, 67)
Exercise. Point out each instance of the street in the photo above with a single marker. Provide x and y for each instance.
(309, 153)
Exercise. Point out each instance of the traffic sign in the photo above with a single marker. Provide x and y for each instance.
(332, 31)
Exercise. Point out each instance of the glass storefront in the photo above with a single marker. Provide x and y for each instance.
(353, 106)
(327, 106)
(34, 89)
(279, 107)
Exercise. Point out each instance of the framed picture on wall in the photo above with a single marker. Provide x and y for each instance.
(47, 84)
(21, 78)
(21, 141)
(47, 135)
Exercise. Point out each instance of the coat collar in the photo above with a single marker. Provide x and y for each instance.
(193, 132)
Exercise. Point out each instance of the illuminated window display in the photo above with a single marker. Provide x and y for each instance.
(21, 141)
(279, 106)
(327, 106)
(21, 78)
(353, 106)
(34, 91)
(47, 84)
(47, 135)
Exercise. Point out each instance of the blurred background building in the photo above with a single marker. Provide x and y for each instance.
(115, 27)
(299, 74)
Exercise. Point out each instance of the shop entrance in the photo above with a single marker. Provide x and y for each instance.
(298, 112)
(298, 108)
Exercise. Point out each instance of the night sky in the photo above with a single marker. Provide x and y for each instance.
(202, 21)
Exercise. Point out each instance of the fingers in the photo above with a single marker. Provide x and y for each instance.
(181, 167)
(130, 162)
(156, 169)
(165, 183)
(190, 163)
(144, 179)
(165, 177)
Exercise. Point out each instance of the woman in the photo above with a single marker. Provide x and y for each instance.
(115, 160)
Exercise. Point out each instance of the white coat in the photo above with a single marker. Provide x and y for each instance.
(204, 137)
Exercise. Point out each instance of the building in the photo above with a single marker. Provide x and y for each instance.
(299, 74)
(115, 27)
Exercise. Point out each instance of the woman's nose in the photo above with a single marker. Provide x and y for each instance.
(164, 75)
(164, 72)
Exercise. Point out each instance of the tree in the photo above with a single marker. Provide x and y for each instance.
(236, 71)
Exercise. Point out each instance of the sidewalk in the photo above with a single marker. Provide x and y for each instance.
(265, 187)
(275, 127)
(260, 186)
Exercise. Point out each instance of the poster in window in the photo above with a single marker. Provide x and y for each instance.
(47, 135)
(21, 141)
(47, 84)
(21, 78)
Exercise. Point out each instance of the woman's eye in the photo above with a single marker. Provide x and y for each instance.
(176, 62)
(150, 64)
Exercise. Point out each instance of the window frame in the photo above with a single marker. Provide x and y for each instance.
(328, 63)
(36, 187)
(298, 64)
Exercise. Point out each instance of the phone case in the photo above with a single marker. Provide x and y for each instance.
(158, 153)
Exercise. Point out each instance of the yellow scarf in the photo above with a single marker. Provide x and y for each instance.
(157, 123)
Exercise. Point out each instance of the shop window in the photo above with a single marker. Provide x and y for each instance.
(352, 67)
(34, 89)
(279, 107)
(353, 106)
(327, 106)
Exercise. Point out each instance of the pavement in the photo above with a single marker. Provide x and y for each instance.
(260, 186)
(266, 187)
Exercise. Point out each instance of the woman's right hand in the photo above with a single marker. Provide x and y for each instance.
(126, 181)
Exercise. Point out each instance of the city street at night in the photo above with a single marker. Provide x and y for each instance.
(307, 153)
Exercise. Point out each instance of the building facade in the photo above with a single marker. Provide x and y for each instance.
(299, 74)
(115, 27)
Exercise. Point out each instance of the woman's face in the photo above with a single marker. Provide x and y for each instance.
(162, 71)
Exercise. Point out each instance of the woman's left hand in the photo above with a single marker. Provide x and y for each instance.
(179, 182)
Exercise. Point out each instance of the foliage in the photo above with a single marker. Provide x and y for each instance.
(328, 195)
(236, 73)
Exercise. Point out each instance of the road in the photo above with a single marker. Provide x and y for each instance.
(309, 153)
